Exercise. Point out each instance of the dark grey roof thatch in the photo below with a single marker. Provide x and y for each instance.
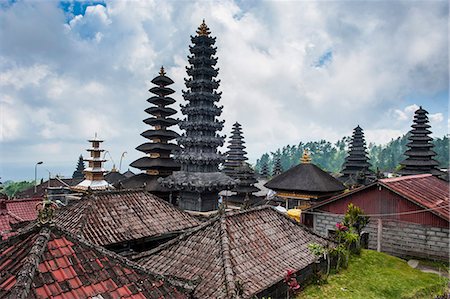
(305, 177)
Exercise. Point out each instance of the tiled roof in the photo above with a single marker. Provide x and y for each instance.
(112, 217)
(253, 247)
(16, 211)
(46, 262)
(425, 190)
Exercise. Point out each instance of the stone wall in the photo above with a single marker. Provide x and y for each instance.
(402, 239)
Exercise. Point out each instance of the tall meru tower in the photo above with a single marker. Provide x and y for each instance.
(420, 156)
(199, 180)
(158, 161)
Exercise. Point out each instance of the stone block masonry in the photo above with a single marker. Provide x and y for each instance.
(402, 239)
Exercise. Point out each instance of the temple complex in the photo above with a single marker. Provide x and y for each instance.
(199, 179)
(304, 184)
(355, 170)
(158, 162)
(94, 173)
(420, 156)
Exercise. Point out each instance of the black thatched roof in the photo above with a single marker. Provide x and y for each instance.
(305, 177)
(142, 181)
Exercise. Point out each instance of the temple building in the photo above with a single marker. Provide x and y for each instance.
(45, 261)
(242, 254)
(235, 156)
(264, 172)
(355, 170)
(94, 173)
(277, 168)
(78, 173)
(199, 180)
(125, 220)
(304, 184)
(158, 162)
(420, 156)
(236, 168)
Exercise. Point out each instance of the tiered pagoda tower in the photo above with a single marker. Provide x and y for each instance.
(264, 172)
(420, 156)
(246, 184)
(236, 167)
(199, 180)
(356, 165)
(158, 161)
(94, 173)
(78, 173)
(277, 169)
(235, 156)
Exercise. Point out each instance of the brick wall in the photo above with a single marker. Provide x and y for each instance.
(401, 239)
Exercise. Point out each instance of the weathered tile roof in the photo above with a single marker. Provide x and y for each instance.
(112, 217)
(425, 190)
(14, 212)
(253, 247)
(47, 262)
(41, 188)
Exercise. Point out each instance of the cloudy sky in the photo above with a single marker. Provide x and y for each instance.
(290, 71)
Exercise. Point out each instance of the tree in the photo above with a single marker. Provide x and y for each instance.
(11, 188)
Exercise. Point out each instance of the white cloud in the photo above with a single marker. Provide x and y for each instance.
(66, 81)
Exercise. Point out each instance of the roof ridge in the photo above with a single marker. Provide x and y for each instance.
(25, 276)
(226, 259)
(15, 216)
(129, 263)
(406, 177)
(176, 240)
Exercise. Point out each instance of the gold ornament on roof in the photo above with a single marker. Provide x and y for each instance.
(306, 158)
(161, 71)
(203, 29)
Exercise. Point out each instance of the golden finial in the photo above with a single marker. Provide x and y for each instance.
(161, 71)
(306, 158)
(203, 30)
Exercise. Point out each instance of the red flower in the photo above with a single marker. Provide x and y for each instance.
(341, 227)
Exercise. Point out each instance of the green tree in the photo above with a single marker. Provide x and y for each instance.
(11, 188)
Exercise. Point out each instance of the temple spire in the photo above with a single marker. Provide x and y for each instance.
(236, 153)
(277, 168)
(203, 29)
(420, 156)
(78, 173)
(356, 165)
(158, 161)
(236, 167)
(94, 173)
(306, 157)
(199, 180)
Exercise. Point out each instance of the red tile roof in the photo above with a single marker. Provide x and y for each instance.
(254, 247)
(46, 262)
(112, 217)
(17, 211)
(425, 190)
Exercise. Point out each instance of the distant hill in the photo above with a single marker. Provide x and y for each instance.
(330, 157)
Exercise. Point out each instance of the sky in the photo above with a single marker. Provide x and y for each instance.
(290, 71)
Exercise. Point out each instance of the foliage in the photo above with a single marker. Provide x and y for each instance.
(318, 250)
(11, 188)
(330, 157)
(291, 280)
(376, 275)
(355, 218)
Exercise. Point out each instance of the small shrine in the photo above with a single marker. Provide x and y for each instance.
(94, 174)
